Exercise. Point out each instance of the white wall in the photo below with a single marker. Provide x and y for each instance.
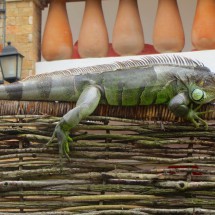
(147, 10)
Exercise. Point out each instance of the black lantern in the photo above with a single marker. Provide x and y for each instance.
(1, 76)
(11, 63)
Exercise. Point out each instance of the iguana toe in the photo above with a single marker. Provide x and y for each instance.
(63, 140)
(65, 147)
(193, 116)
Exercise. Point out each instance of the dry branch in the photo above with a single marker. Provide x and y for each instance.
(115, 163)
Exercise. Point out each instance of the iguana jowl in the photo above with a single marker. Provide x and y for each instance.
(176, 81)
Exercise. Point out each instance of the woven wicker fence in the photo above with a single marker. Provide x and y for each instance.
(118, 166)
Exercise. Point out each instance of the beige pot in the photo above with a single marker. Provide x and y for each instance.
(57, 43)
(128, 38)
(168, 34)
(203, 30)
(93, 37)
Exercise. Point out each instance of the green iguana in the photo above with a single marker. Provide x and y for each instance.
(176, 81)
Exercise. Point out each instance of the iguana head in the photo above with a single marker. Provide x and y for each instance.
(203, 91)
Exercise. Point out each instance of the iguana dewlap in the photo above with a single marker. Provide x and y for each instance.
(177, 81)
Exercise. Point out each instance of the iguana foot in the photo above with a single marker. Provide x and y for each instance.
(63, 140)
(193, 116)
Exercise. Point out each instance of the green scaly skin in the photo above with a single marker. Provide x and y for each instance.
(85, 105)
(181, 83)
(196, 95)
(181, 92)
(182, 105)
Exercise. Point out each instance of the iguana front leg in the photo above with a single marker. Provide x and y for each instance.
(86, 104)
(179, 105)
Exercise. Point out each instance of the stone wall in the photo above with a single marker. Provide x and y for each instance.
(2, 23)
(23, 29)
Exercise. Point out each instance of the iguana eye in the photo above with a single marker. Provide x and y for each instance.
(198, 95)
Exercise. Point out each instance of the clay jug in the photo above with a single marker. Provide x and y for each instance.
(57, 42)
(203, 30)
(128, 38)
(93, 37)
(168, 34)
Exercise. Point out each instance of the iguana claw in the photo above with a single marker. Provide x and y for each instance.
(63, 140)
(196, 120)
(193, 116)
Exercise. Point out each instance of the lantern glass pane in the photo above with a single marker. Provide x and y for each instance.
(8, 64)
(1, 76)
(19, 66)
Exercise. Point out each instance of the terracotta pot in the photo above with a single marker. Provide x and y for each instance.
(57, 43)
(128, 38)
(168, 34)
(93, 37)
(203, 30)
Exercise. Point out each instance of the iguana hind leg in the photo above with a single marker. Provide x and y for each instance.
(86, 104)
